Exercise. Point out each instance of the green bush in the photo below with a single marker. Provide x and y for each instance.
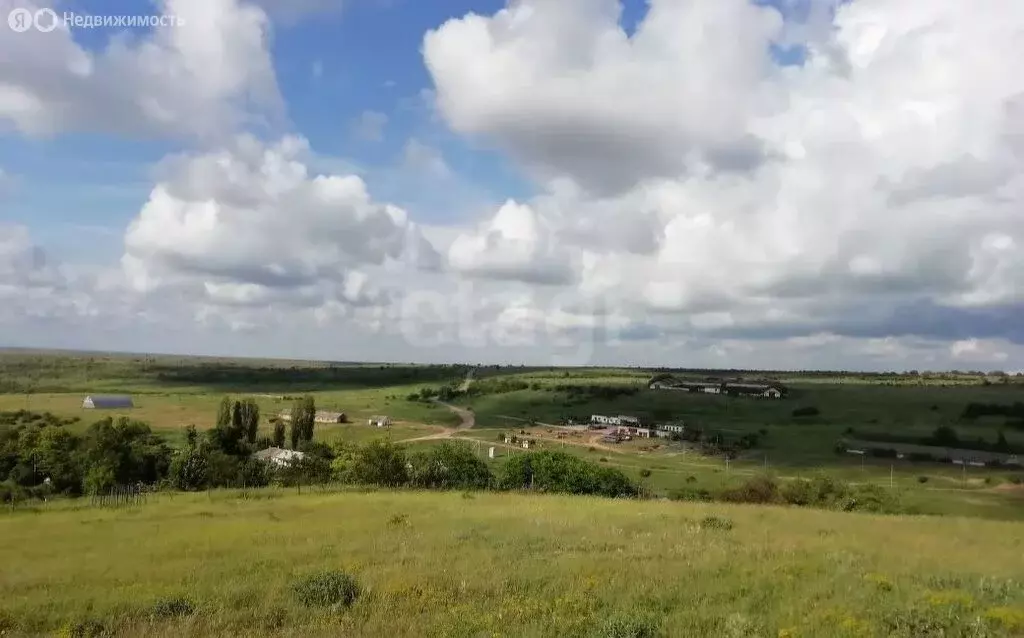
(552, 471)
(873, 498)
(83, 629)
(630, 625)
(690, 494)
(380, 463)
(645, 472)
(172, 608)
(760, 489)
(821, 491)
(714, 522)
(325, 589)
(189, 469)
(449, 466)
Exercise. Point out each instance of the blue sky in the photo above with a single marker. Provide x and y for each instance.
(331, 68)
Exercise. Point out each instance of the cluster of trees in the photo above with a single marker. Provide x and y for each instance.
(498, 385)
(943, 436)
(550, 471)
(26, 417)
(306, 377)
(714, 443)
(579, 393)
(303, 421)
(223, 456)
(452, 465)
(39, 459)
(821, 491)
(447, 392)
(1012, 411)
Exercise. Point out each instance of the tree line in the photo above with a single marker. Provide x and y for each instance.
(942, 436)
(39, 457)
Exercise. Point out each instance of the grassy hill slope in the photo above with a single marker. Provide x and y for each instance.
(504, 564)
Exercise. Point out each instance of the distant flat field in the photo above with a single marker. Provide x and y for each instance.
(172, 412)
(505, 565)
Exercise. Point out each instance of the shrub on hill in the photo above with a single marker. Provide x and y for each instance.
(760, 489)
(551, 471)
(379, 463)
(822, 491)
(450, 465)
(327, 588)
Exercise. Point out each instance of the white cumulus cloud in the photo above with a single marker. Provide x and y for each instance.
(199, 79)
(874, 189)
(250, 224)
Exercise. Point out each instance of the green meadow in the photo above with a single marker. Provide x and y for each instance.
(486, 564)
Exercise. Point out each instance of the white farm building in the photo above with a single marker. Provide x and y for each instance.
(107, 402)
(278, 456)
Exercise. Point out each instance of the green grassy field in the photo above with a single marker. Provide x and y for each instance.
(444, 564)
(171, 393)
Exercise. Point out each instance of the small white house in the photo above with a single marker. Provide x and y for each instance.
(278, 456)
(605, 420)
(379, 421)
(107, 402)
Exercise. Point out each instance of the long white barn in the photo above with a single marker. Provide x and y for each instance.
(107, 402)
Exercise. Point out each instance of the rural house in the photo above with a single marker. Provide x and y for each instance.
(640, 433)
(107, 402)
(323, 416)
(380, 421)
(760, 390)
(622, 419)
(278, 456)
(668, 429)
